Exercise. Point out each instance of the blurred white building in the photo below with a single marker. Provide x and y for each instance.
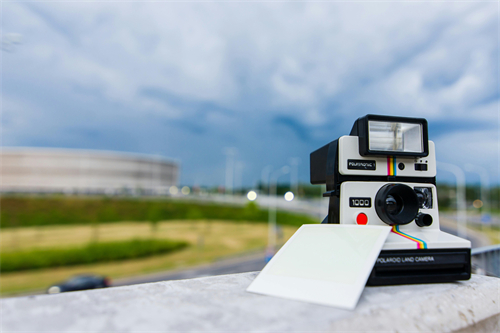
(39, 170)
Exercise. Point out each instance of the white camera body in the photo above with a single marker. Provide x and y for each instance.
(357, 197)
(384, 173)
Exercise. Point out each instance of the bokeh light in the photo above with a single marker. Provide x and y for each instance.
(252, 195)
(173, 190)
(477, 203)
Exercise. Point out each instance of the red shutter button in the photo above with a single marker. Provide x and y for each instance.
(362, 219)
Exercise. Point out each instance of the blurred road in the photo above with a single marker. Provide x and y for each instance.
(254, 262)
(244, 264)
(476, 238)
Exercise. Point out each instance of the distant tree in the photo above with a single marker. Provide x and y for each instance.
(251, 211)
(154, 216)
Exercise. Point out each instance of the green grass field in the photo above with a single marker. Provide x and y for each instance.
(210, 240)
(59, 210)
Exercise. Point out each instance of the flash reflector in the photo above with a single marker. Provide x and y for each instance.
(391, 136)
(395, 137)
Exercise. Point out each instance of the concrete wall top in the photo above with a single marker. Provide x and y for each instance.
(221, 303)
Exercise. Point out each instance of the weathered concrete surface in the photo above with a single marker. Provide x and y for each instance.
(221, 304)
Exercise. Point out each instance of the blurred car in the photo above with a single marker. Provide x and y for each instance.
(80, 282)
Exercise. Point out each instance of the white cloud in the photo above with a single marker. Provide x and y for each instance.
(318, 63)
(480, 148)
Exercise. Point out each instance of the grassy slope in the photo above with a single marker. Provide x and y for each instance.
(210, 240)
(91, 253)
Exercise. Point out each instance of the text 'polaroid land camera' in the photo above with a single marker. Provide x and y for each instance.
(384, 173)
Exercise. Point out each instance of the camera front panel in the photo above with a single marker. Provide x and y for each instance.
(352, 163)
(358, 204)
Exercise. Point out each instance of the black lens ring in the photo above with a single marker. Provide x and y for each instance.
(406, 195)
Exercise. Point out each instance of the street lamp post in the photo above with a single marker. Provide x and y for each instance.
(230, 153)
(461, 204)
(294, 175)
(238, 176)
(265, 176)
(273, 180)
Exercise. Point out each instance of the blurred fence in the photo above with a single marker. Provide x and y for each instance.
(486, 260)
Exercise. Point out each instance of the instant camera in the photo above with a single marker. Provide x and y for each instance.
(384, 173)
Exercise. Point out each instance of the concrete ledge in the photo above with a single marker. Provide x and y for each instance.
(220, 303)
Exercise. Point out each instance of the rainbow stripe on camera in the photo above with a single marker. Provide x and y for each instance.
(391, 166)
(420, 243)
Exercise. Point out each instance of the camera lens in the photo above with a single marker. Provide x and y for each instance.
(392, 205)
(396, 204)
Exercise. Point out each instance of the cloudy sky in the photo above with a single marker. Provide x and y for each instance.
(274, 80)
